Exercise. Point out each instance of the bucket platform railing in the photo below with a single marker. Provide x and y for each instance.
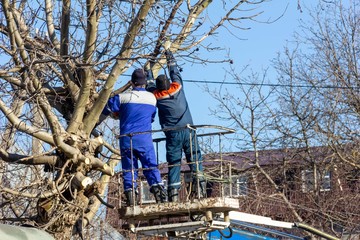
(191, 217)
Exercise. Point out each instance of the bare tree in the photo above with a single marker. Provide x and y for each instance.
(330, 72)
(310, 122)
(60, 62)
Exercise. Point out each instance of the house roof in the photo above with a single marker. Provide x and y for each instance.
(273, 157)
(248, 159)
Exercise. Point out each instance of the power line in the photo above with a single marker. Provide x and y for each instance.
(270, 84)
(264, 84)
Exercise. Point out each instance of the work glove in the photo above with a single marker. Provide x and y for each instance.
(169, 56)
(150, 82)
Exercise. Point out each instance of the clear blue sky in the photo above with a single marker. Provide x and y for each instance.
(261, 44)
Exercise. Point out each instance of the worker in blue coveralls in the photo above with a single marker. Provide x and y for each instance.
(174, 117)
(136, 110)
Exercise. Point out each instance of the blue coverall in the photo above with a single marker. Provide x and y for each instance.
(136, 110)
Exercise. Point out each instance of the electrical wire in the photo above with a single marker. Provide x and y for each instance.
(265, 84)
(269, 84)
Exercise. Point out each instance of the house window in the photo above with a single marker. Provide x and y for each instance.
(237, 187)
(325, 182)
(323, 179)
(145, 194)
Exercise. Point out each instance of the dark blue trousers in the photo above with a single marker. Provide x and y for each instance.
(177, 142)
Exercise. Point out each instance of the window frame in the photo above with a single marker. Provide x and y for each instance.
(240, 184)
(323, 180)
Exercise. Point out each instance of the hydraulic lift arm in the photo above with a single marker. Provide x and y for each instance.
(256, 219)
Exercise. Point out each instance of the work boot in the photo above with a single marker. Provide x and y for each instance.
(203, 193)
(201, 188)
(130, 201)
(173, 195)
(159, 193)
